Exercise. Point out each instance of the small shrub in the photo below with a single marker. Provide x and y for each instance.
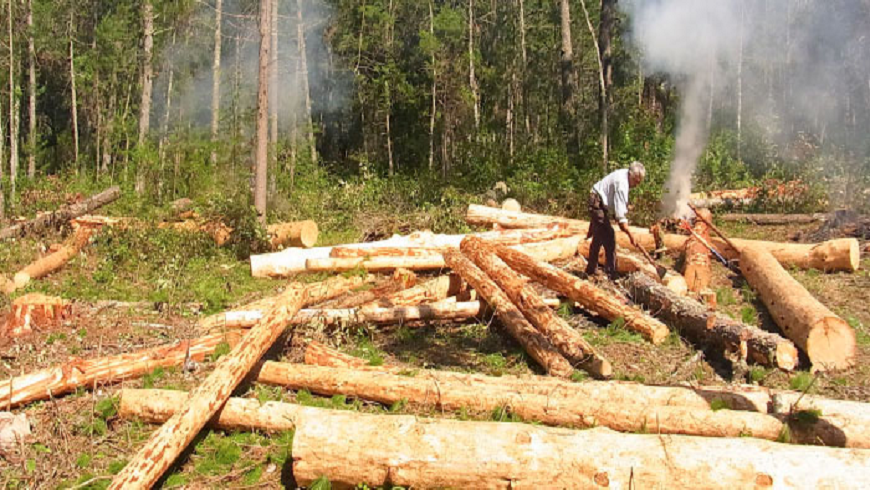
(801, 381)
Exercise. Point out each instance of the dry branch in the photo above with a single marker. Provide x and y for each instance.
(826, 338)
(347, 448)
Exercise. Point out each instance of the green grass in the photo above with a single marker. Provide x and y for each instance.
(367, 350)
(615, 332)
(757, 374)
(749, 315)
(152, 378)
(719, 404)
(862, 337)
(725, 296)
(801, 381)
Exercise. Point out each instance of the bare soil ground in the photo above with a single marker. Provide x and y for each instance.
(79, 442)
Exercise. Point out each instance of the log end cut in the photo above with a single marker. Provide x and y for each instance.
(831, 345)
(299, 234)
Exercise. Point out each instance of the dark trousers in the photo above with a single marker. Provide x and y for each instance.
(602, 234)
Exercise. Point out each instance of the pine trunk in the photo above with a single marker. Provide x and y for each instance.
(826, 338)
(568, 341)
(439, 453)
(589, 296)
(606, 27)
(569, 85)
(261, 178)
(55, 261)
(147, 71)
(31, 66)
(72, 83)
(216, 79)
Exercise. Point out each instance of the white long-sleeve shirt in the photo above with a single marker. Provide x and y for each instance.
(613, 190)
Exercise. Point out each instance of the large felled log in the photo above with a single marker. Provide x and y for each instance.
(704, 327)
(164, 446)
(295, 234)
(293, 261)
(53, 262)
(367, 253)
(589, 296)
(535, 343)
(453, 454)
(568, 341)
(826, 338)
(834, 255)
(431, 291)
(839, 423)
(61, 216)
(376, 264)
(774, 219)
(698, 267)
(75, 373)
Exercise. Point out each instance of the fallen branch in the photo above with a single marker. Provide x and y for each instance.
(347, 448)
(61, 216)
(53, 262)
(826, 338)
(704, 327)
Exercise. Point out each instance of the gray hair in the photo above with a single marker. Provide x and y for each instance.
(637, 169)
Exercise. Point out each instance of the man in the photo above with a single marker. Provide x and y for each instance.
(611, 195)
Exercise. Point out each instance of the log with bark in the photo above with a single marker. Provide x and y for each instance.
(453, 454)
(774, 219)
(826, 338)
(296, 234)
(77, 373)
(53, 262)
(533, 341)
(698, 258)
(589, 296)
(35, 311)
(293, 261)
(431, 291)
(707, 328)
(625, 263)
(63, 215)
(568, 341)
(400, 280)
(834, 255)
(165, 445)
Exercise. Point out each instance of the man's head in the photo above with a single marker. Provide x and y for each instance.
(636, 174)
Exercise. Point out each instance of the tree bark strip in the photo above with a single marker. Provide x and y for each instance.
(589, 296)
(437, 453)
(704, 327)
(535, 343)
(164, 446)
(826, 338)
(568, 341)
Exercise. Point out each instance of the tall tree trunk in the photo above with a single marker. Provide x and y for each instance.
(306, 90)
(389, 110)
(31, 56)
(108, 134)
(525, 52)
(294, 122)
(13, 114)
(472, 78)
(147, 71)
(164, 127)
(273, 89)
(434, 108)
(740, 84)
(72, 81)
(237, 84)
(216, 80)
(569, 86)
(605, 50)
(2, 163)
(262, 164)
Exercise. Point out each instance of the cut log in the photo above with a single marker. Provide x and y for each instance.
(431, 291)
(400, 281)
(367, 253)
(707, 328)
(376, 264)
(63, 215)
(55, 261)
(625, 263)
(89, 373)
(511, 205)
(292, 261)
(297, 234)
(533, 341)
(840, 423)
(165, 445)
(698, 258)
(774, 219)
(677, 284)
(834, 255)
(454, 454)
(35, 311)
(217, 230)
(826, 338)
(589, 296)
(568, 341)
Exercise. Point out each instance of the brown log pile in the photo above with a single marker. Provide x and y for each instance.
(826, 338)
(707, 328)
(568, 341)
(834, 255)
(164, 446)
(590, 297)
(400, 280)
(62, 216)
(295, 234)
(454, 454)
